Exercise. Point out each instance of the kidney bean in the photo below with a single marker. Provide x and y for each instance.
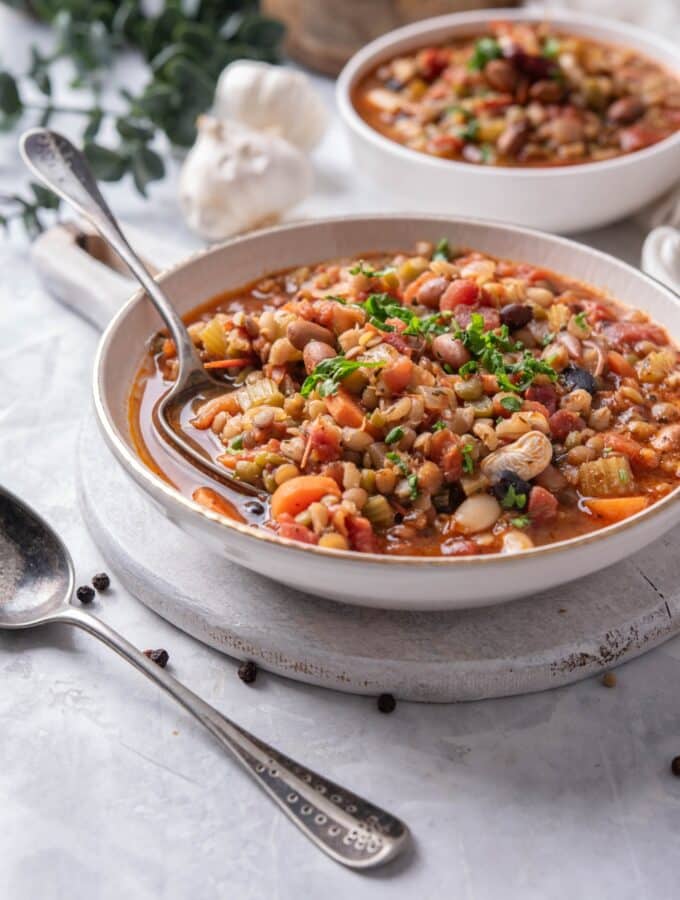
(300, 333)
(625, 110)
(542, 506)
(450, 350)
(513, 138)
(516, 315)
(314, 352)
(459, 292)
(566, 129)
(546, 91)
(563, 422)
(430, 292)
(501, 75)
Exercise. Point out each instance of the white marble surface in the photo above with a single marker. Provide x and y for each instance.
(107, 790)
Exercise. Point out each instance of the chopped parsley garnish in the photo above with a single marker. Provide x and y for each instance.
(411, 477)
(624, 476)
(468, 461)
(469, 131)
(581, 321)
(487, 153)
(438, 426)
(327, 376)
(521, 522)
(381, 307)
(551, 48)
(442, 250)
(486, 49)
(548, 339)
(363, 268)
(488, 347)
(395, 435)
(607, 451)
(398, 462)
(336, 298)
(236, 444)
(514, 499)
(512, 404)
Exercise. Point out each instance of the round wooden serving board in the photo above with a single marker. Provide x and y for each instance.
(527, 645)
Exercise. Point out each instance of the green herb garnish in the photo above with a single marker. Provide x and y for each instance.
(327, 376)
(413, 484)
(336, 299)
(512, 404)
(398, 462)
(548, 338)
(362, 268)
(442, 250)
(551, 48)
(381, 307)
(470, 131)
(581, 321)
(514, 499)
(236, 444)
(438, 426)
(624, 477)
(521, 522)
(468, 461)
(486, 49)
(395, 435)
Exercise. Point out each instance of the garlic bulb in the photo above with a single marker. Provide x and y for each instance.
(235, 179)
(271, 98)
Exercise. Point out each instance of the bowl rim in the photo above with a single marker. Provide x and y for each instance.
(372, 52)
(154, 484)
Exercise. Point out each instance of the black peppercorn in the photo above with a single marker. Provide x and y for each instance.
(675, 766)
(101, 581)
(386, 703)
(160, 657)
(85, 593)
(247, 671)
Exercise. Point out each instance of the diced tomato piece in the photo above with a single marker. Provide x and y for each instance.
(639, 456)
(432, 61)
(398, 374)
(632, 332)
(563, 422)
(542, 506)
(495, 104)
(361, 534)
(324, 441)
(398, 342)
(491, 317)
(459, 292)
(544, 394)
(535, 406)
(447, 143)
(289, 528)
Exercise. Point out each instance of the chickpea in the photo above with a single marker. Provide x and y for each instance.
(333, 541)
(430, 477)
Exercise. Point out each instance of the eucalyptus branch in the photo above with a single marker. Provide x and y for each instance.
(186, 46)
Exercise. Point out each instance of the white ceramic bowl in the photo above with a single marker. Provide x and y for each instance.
(404, 582)
(562, 199)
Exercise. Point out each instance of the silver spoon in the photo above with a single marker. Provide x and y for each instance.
(57, 163)
(36, 584)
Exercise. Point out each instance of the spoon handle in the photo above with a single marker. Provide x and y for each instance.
(65, 170)
(345, 826)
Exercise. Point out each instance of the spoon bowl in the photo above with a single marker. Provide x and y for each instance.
(36, 572)
(64, 169)
(36, 585)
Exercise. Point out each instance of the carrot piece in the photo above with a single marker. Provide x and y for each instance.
(619, 364)
(169, 348)
(398, 374)
(216, 503)
(614, 509)
(296, 494)
(207, 412)
(344, 409)
(227, 364)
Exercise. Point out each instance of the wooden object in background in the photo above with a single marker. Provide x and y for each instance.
(323, 34)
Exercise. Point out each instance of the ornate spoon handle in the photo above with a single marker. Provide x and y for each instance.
(345, 826)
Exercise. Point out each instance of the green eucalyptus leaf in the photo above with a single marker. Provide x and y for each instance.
(147, 166)
(93, 125)
(134, 131)
(107, 165)
(10, 101)
(44, 197)
(261, 31)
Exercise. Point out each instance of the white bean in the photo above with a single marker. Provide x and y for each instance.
(477, 513)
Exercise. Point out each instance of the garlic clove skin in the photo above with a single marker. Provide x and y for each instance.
(272, 98)
(235, 179)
